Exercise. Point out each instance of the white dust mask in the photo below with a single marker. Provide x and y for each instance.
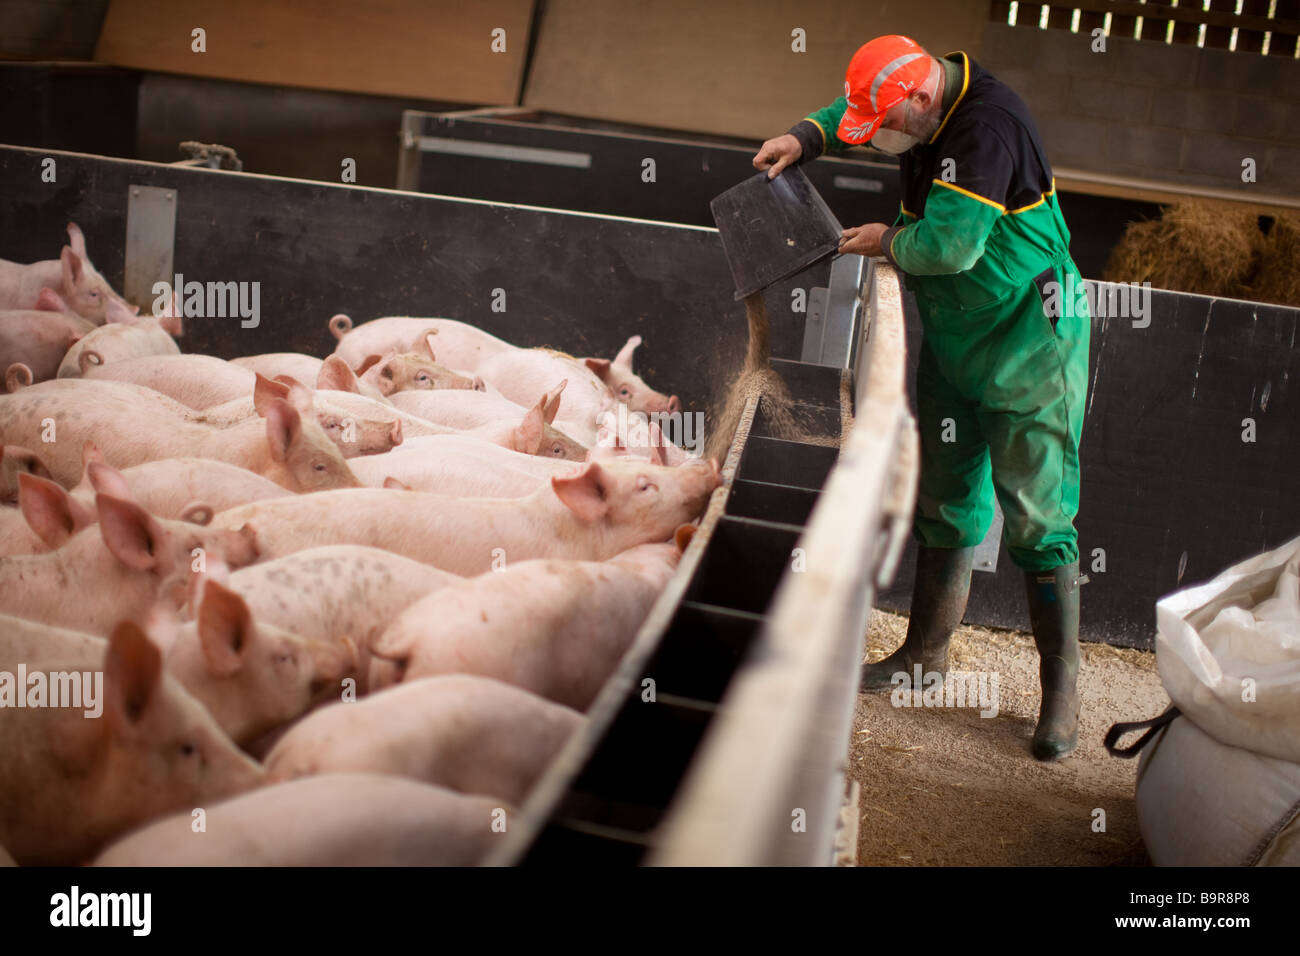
(892, 141)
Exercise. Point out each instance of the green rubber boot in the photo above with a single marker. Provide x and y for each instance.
(1054, 614)
(938, 603)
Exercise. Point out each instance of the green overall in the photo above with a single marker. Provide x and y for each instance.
(1003, 370)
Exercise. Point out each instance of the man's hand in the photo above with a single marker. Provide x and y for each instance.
(863, 240)
(776, 154)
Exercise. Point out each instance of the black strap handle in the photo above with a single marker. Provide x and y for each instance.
(1119, 730)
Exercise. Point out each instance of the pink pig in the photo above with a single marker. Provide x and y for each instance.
(332, 820)
(69, 783)
(556, 628)
(468, 733)
(606, 508)
(72, 276)
(459, 344)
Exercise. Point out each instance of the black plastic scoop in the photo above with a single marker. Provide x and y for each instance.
(773, 228)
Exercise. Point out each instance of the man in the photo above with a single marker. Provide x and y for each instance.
(1003, 364)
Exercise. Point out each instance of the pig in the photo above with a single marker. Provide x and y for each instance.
(471, 734)
(72, 276)
(629, 389)
(290, 450)
(37, 340)
(69, 784)
(555, 628)
(252, 676)
(118, 342)
(465, 466)
(198, 381)
(495, 419)
(419, 368)
(637, 437)
(14, 461)
(25, 641)
(461, 409)
(594, 514)
(178, 488)
(353, 434)
(460, 345)
(80, 388)
(304, 368)
(336, 375)
(46, 517)
(119, 567)
(523, 377)
(330, 820)
(344, 595)
(412, 425)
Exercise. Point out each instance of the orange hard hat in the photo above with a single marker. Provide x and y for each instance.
(881, 74)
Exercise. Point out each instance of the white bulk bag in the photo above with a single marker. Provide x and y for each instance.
(1220, 644)
(1203, 803)
(1220, 785)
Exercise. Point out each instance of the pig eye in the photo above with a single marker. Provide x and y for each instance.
(188, 750)
(422, 377)
(624, 392)
(331, 424)
(645, 484)
(557, 451)
(93, 293)
(319, 466)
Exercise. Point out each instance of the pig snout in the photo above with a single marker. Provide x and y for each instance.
(238, 548)
(479, 384)
(119, 311)
(452, 380)
(331, 661)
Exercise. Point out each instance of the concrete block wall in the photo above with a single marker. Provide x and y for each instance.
(1175, 112)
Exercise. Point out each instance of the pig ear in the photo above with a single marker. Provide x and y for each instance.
(225, 628)
(196, 512)
(599, 366)
(530, 434)
(52, 513)
(300, 396)
(265, 392)
(17, 376)
(170, 320)
(77, 240)
(366, 363)
(130, 532)
(283, 423)
(335, 375)
(107, 480)
(624, 358)
(583, 493)
(132, 672)
(340, 325)
(553, 402)
(395, 484)
(90, 452)
(683, 535)
(425, 346)
(50, 301)
(71, 267)
(658, 454)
